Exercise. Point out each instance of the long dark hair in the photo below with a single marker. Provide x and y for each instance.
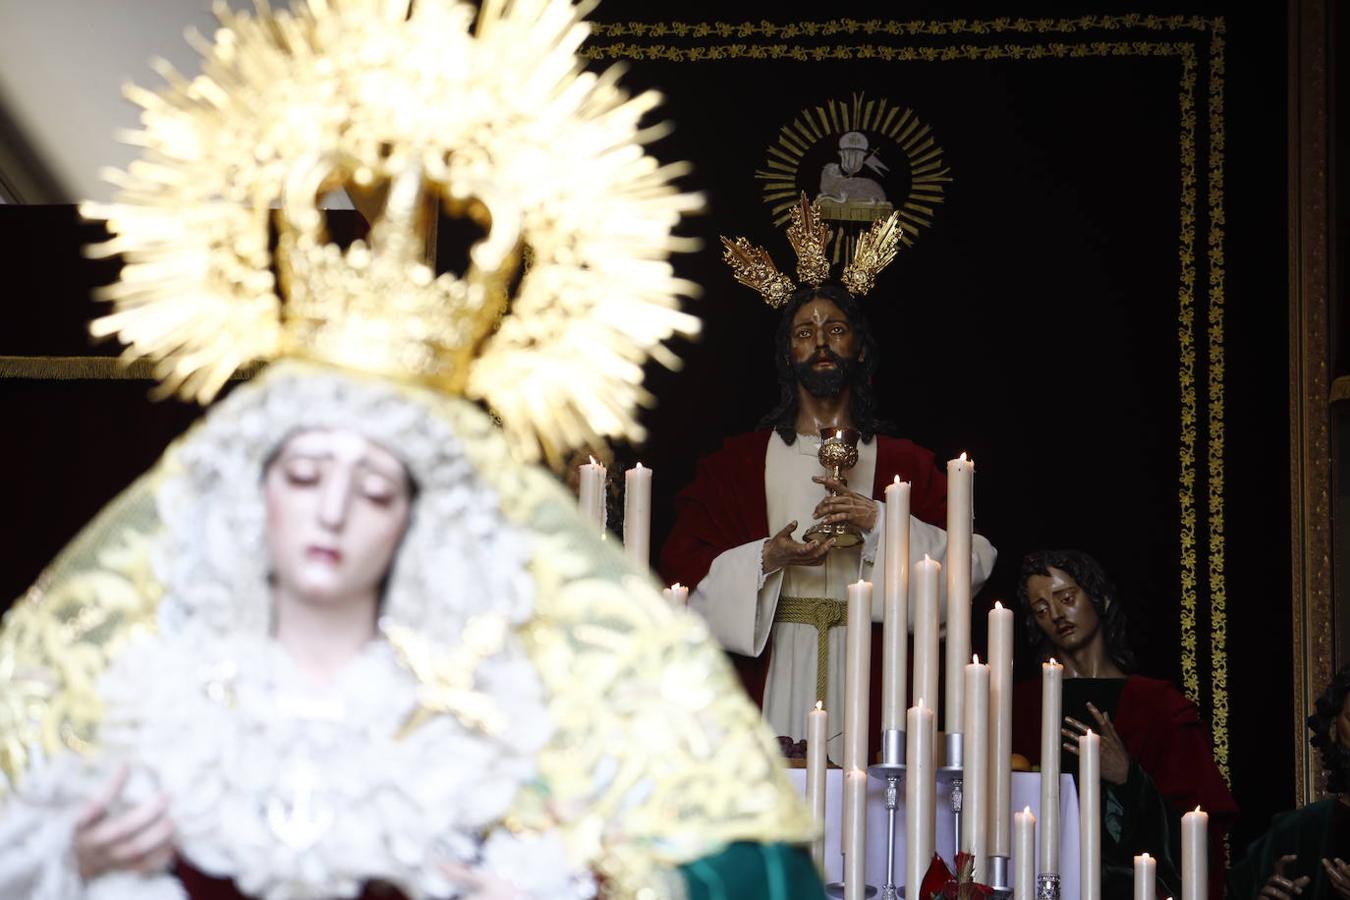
(862, 401)
(1328, 707)
(1093, 580)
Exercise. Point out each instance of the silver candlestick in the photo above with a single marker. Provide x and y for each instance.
(891, 770)
(1047, 886)
(998, 878)
(956, 765)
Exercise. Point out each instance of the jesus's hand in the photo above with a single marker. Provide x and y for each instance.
(844, 505)
(781, 551)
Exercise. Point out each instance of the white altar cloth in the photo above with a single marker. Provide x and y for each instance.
(1026, 791)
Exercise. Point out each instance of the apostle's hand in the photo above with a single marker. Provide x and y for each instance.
(1115, 761)
(138, 840)
(1339, 874)
(844, 505)
(781, 551)
(1279, 886)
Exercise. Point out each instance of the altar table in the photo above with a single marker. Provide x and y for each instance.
(1026, 791)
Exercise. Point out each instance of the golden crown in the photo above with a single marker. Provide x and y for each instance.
(440, 109)
(810, 237)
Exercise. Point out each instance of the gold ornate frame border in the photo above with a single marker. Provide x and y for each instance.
(1185, 38)
(1310, 391)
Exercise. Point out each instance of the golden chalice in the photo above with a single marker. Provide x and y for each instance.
(838, 452)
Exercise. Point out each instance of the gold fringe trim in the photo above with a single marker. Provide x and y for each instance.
(88, 368)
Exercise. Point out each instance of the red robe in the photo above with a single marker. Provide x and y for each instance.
(725, 507)
(1164, 734)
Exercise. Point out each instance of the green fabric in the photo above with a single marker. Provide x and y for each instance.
(1136, 818)
(746, 871)
(1306, 832)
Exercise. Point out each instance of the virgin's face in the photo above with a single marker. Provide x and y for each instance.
(337, 507)
(1063, 610)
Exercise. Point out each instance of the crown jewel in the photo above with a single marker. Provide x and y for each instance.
(494, 120)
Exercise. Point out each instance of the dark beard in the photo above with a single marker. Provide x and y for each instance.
(829, 383)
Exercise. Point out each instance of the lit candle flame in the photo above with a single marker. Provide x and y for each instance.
(838, 435)
(593, 462)
(963, 457)
(820, 706)
(975, 658)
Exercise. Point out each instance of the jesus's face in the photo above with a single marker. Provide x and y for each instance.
(337, 507)
(823, 347)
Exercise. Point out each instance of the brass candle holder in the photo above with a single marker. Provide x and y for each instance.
(838, 453)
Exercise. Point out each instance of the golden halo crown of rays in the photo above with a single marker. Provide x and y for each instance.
(928, 173)
(485, 114)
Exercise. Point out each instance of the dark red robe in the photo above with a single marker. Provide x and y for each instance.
(1164, 734)
(725, 506)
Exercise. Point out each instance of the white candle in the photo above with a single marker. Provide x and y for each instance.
(1145, 877)
(676, 595)
(591, 497)
(960, 524)
(1000, 729)
(1052, 700)
(857, 675)
(895, 621)
(855, 851)
(920, 794)
(926, 574)
(1195, 855)
(1089, 817)
(1024, 855)
(637, 515)
(817, 738)
(974, 814)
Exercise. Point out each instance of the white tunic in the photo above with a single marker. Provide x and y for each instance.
(739, 600)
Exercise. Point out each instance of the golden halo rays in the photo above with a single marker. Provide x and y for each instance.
(928, 173)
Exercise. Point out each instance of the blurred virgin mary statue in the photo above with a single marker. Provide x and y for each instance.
(345, 638)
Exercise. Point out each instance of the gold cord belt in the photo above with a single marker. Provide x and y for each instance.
(822, 613)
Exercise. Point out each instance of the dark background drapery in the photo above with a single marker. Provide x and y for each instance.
(1097, 313)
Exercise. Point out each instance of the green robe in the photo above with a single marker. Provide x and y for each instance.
(1307, 832)
(749, 871)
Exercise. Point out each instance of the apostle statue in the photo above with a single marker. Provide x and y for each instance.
(775, 600)
(1156, 759)
(1305, 854)
(343, 639)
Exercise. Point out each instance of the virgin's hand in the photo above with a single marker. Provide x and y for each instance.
(781, 551)
(1279, 886)
(477, 885)
(138, 840)
(1112, 756)
(845, 506)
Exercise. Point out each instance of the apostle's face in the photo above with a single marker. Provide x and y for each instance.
(1340, 726)
(824, 348)
(337, 508)
(1063, 610)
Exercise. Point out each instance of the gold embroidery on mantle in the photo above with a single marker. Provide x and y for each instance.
(58, 638)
